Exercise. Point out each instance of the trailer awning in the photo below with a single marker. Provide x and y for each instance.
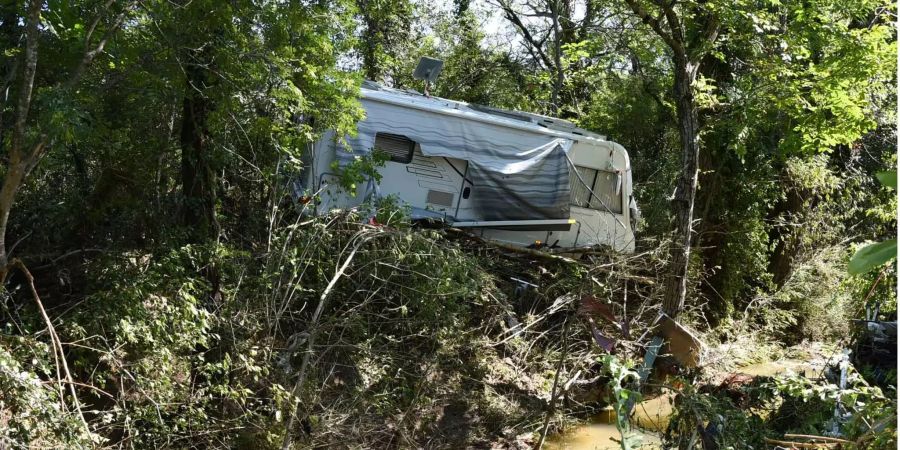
(519, 225)
(516, 174)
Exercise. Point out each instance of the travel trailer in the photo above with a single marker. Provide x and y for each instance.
(508, 176)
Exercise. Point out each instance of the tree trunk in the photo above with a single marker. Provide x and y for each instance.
(20, 163)
(785, 237)
(685, 188)
(197, 177)
(11, 184)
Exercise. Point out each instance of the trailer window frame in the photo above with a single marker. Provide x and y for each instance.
(391, 144)
(581, 197)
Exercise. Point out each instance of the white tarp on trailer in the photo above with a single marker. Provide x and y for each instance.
(515, 174)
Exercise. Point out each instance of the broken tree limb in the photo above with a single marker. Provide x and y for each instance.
(530, 252)
(552, 255)
(817, 438)
(554, 393)
(54, 338)
(313, 331)
(790, 444)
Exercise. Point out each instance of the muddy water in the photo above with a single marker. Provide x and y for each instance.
(653, 414)
(599, 434)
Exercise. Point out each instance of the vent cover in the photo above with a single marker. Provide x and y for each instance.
(400, 148)
(440, 198)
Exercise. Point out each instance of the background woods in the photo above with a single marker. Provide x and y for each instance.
(149, 148)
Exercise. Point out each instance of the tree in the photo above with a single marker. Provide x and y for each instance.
(257, 81)
(780, 102)
(690, 30)
(386, 26)
(550, 30)
(30, 140)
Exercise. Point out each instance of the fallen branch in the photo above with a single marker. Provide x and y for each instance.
(54, 338)
(554, 254)
(530, 252)
(313, 331)
(817, 438)
(554, 392)
(790, 444)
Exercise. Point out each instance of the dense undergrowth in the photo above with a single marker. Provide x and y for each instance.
(190, 305)
(370, 336)
(421, 341)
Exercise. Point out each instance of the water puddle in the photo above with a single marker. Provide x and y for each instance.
(599, 434)
(652, 415)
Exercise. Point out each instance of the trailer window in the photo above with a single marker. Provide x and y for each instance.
(400, 148)
(581, 196)
(606, 187)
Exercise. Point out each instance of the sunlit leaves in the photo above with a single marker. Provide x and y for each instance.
(818, 65)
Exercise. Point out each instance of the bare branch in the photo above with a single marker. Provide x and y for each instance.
(513, 17)
(54, 338)
(655, 24)
(36, 153)
(93, 26)
(360, 239)
(677, 31)
(91, 53)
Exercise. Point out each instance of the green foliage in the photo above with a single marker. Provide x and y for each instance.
(807, 406)
(818, 63)
(888, 179)
(362, 169)
(418, 319)
(620, 376)
(724, 423)
(813, 303)
(386, 29)
(781, 85)
(874, 255)
(773, 407)
(30, 408)
(392, 212)
(182, 346)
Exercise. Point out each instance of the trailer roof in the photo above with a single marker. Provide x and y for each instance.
(511, 118)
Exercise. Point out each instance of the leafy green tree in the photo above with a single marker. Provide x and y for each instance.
(387, 25)
(690, 30)
(776, 83)
(73, 37)
(266, 70)
(789, 132)
(559, 39)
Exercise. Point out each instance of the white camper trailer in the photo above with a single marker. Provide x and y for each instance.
(508, 176)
